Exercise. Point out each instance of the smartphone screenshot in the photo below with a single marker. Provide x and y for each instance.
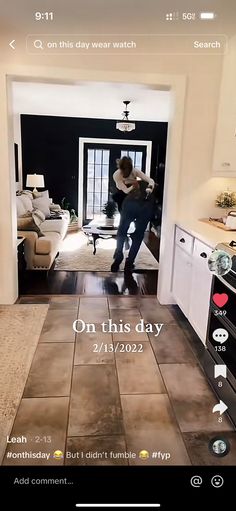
(117, 253)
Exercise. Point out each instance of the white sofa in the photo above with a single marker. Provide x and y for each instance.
(40, 252)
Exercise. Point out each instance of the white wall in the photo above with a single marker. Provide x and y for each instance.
(225, 141)
(8, 251)
(97, 100)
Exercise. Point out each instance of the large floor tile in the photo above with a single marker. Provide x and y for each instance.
(198, 448)
(150, 425)
(34, 299)
(98, 450)
(94, 348)
(58, 326)
(138, 372)
(172, 346)
(178, 314)
(152, 312)
(123, 302)
(95, 403)
(150, 302)
(93, 310)
(192, 398)
(64, 302)
(38, 418)
(50, 373)
(125, 315)
(132, 336)
(131, 317)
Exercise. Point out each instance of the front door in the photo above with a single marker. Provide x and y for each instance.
(100, 163)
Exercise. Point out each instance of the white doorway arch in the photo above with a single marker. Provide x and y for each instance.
(176, 84)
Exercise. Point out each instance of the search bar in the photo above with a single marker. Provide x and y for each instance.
(124, 44)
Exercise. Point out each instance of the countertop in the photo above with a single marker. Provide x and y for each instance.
(206, 233)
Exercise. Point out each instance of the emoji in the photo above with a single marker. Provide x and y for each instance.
(143, 455)
(58, 455)
(220, 299)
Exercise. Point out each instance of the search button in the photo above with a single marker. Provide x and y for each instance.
(38, 44)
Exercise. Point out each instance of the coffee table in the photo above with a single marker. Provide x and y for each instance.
(100, 230)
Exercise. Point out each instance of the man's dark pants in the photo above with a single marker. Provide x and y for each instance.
(141, 211)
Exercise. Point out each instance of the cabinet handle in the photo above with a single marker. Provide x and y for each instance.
(203, 254)
(182, 240)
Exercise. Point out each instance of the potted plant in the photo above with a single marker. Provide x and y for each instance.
(227, 201)
(109, 209)
(73, 225)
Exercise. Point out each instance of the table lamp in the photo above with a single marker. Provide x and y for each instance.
(35, 181)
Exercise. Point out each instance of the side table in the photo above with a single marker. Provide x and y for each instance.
(21, 255)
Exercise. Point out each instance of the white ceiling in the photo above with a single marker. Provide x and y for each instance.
(91, 99)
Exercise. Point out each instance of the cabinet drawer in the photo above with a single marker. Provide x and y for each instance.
(201, 252)
(184, 240)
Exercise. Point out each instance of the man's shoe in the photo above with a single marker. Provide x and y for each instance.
(129, 266)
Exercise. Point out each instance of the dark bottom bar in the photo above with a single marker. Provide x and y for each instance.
(172, 487)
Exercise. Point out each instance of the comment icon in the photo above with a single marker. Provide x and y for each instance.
(220, 335)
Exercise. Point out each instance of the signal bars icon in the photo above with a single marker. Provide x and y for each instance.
(172, 16)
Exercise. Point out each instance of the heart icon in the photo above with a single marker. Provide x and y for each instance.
(220, 299)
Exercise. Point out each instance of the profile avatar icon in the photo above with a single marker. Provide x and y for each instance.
(219, 447)
(219, 262)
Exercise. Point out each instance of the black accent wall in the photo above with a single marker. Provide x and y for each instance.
(50, 146)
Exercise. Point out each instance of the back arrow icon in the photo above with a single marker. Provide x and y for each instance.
(220, 407)
(11, 44)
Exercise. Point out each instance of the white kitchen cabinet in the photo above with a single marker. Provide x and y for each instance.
(191, 283)
(201, 280)
(184, 240)
(182, 278)
(224, 157)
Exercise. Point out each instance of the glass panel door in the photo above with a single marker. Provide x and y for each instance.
(137, 158)
(100, 163)
(97, 181)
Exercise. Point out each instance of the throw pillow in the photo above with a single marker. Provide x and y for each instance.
(20, 207)
(27, 223)
(28, 193)
(43, 204)
(27, 202)
(38, 216)
(38, 194)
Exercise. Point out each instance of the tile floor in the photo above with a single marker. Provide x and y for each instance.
(91, 403)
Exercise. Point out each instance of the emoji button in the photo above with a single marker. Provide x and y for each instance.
(143, 455)
(58, 455)
(217, 481)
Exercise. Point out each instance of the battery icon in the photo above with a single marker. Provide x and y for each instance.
(207, 15)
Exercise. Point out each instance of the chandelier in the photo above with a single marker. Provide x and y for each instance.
(125, 125)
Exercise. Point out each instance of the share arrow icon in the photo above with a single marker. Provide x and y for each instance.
(220, 407)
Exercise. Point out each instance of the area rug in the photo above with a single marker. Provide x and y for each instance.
(20, 327)
(76, 255)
